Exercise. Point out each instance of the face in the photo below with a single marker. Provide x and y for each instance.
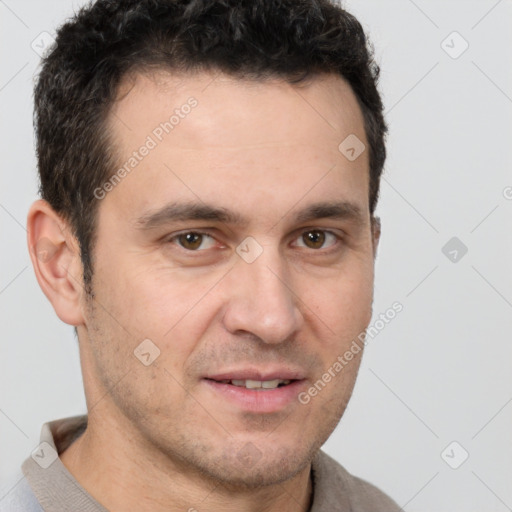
(239, 247)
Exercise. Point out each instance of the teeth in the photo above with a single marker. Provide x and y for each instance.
(258, 384)
(270, 384)
(252, 384)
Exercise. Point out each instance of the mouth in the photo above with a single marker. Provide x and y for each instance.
(256, 393)
(257, 385)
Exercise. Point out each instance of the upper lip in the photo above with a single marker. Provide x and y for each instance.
(256, 374)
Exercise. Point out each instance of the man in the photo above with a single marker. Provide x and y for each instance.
(209, 176)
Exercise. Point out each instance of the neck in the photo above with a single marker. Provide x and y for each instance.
(118, 470)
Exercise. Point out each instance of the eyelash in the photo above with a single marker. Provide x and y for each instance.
(333, 247)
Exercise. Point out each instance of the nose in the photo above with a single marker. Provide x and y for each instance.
(261, 300)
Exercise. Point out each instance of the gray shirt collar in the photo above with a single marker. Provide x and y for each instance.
(57, 489)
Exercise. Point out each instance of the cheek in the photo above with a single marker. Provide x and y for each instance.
(342, 303)
(171, 309)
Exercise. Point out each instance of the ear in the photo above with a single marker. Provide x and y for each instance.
(375, 224)
(55, 256)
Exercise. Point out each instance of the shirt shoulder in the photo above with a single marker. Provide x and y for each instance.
(334, 485)
(19, 496)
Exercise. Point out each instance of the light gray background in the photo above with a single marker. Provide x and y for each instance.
(441, 370)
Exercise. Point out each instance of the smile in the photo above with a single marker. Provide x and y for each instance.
(257, 384)
(258, 396)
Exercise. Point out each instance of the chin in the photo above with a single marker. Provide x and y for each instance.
(248, 468)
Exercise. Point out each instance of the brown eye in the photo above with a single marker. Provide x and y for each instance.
(191, 240)
(317, 239)
(314, 239)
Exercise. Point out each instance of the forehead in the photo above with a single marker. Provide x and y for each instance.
(238, 141)
(325, 103)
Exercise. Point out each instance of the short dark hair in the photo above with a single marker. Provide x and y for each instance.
(255, 39)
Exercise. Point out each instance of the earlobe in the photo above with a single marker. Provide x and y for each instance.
(55, 257)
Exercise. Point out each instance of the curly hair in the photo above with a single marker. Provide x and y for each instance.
(254, 39)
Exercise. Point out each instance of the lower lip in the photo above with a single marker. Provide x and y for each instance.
(263, 401)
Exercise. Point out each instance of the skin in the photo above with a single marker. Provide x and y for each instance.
(158, 435)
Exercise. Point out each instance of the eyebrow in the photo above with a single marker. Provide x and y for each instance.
(172, 212)
(342, 210)
(186, 211)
